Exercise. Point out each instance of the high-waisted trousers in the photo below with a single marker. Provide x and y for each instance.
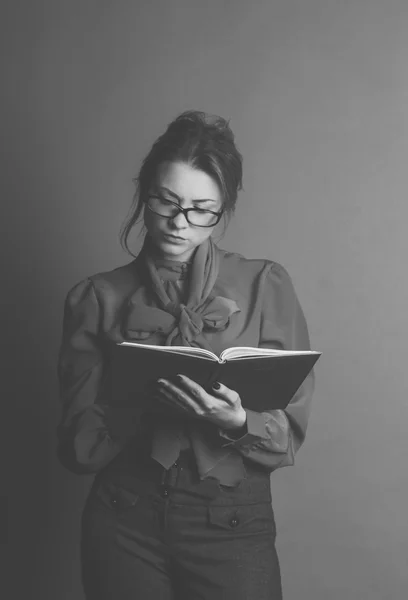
(152, 534)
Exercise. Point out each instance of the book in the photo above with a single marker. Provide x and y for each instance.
(264, 378)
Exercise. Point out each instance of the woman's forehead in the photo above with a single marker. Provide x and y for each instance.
(187, 182)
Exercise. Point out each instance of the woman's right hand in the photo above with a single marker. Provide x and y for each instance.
(156, 404)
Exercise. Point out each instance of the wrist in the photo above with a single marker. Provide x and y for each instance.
(239, 428)
(243, 420)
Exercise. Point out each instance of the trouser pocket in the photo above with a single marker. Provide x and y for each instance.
(248, 519)
(111, 496)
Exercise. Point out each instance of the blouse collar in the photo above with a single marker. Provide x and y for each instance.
(172, 269)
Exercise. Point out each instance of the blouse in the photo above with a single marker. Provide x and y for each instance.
(91, 435)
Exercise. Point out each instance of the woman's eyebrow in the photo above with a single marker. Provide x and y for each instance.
(174, 195)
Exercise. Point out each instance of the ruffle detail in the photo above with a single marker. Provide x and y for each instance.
(179, 324)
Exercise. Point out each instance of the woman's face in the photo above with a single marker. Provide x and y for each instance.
(189, 187)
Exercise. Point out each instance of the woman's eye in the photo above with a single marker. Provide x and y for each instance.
(199, 208)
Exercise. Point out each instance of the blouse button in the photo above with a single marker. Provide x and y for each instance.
(114, 501)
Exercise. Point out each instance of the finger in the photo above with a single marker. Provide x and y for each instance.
(160, 385)
(179, 396)
(194, 389)
(206, 398)
(155, 386)
(223, 392)
(169, 401)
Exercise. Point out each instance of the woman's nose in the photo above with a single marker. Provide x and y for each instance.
(180, 220)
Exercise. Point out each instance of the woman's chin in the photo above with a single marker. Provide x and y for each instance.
(171, 250)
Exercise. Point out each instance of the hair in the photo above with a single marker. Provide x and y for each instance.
(205, 142)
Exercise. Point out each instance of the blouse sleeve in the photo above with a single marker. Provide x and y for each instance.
(87, 439)
(273, 437)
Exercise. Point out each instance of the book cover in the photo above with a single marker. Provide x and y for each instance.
(265, 379)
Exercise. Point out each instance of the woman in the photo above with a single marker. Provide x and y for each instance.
(181, 503)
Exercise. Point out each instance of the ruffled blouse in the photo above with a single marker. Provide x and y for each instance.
(91, 435)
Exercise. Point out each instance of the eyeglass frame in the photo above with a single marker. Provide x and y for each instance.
(185, 211)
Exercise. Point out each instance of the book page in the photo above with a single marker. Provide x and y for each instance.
(185, 350)
(243, 352)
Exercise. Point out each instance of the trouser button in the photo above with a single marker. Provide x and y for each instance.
(234, 522)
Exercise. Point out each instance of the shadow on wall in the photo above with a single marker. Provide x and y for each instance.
(42, 490)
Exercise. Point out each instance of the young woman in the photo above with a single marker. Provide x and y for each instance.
(180, 507)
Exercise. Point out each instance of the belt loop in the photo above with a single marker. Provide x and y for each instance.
(169, 476)
(164, 476)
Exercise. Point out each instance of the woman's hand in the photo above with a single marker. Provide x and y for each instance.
(222, 407)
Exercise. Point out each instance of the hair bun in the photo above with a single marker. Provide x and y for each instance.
(199, 119)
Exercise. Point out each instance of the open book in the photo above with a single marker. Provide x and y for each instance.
(264, 378)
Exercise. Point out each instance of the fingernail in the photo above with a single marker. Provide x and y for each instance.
(216, 385)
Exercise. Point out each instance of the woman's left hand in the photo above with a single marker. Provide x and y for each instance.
(222, 407)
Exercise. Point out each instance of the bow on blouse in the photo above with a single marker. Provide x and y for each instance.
(180, 324)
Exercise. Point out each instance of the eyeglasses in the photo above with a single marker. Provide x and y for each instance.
(198, 217)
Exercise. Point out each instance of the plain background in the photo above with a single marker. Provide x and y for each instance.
(317, 94)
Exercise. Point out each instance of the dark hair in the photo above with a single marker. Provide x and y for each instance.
(205, 142)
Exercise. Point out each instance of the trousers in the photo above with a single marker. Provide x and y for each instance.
(148, 533)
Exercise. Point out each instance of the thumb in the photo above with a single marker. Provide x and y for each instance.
(218, 388)
(222, 391)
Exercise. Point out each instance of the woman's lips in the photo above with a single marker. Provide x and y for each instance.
(174, 239)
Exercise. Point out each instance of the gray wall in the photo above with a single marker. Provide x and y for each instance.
(317, 93)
